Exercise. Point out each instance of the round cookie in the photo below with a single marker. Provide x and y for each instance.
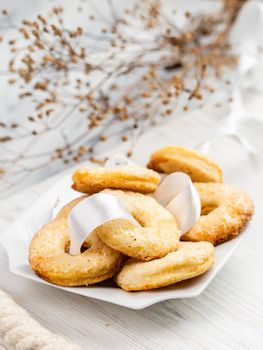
(225, 212)
(154, 233)
(128, 177)
(189, 260)
(198, 166)
(50, 260)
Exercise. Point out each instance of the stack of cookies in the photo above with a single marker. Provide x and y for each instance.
(150, 251)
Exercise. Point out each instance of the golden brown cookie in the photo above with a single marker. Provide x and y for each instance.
(154, 234)
(49, 257)
(198, 166)
(129, 177)
(189, 260)
(225, 212)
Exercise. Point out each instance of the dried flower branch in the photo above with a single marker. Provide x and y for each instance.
(119, 80)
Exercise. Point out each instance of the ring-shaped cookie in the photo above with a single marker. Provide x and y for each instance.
(189, 260)
(198, 166)
(153, 235)
(225, 212)
(129, 177)
(50, 260)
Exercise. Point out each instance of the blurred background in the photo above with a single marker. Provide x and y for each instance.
(80, 81)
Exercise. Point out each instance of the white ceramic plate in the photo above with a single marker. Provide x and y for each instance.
(17, 237)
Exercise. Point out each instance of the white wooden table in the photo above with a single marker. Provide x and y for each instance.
(227, 316)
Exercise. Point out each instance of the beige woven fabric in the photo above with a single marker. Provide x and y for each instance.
(21, 332)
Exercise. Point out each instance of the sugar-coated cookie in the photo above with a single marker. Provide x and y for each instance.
(129, 177)
(225, 212)
(198, 166)
(189, 260)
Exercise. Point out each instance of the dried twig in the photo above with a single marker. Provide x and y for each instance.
(107, 79)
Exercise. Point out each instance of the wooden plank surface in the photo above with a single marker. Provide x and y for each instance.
(227, 316)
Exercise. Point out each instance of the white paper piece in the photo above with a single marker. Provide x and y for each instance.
(91, 213)
(118, 159)
(178, 195)
(37, 222)
(62, 200)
